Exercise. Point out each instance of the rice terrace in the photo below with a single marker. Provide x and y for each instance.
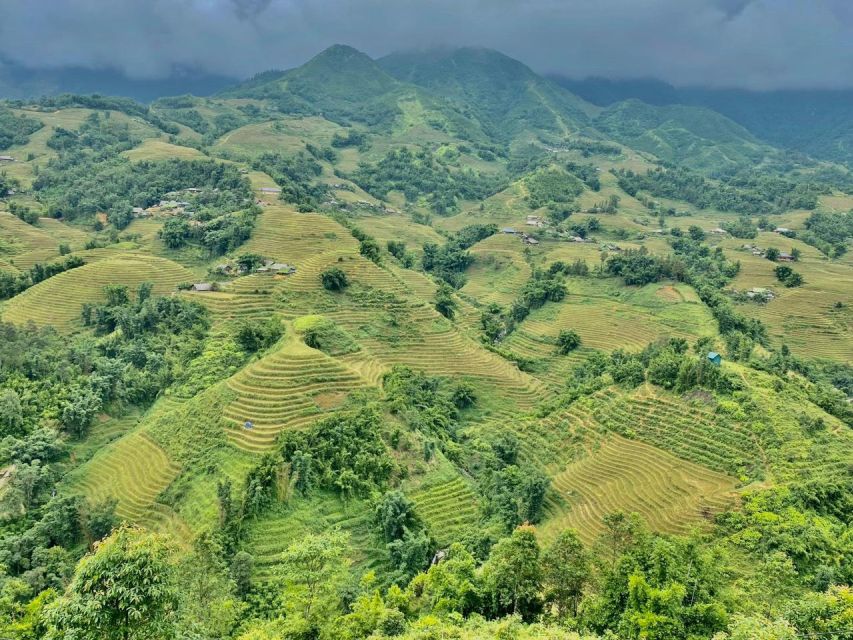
(424, 345)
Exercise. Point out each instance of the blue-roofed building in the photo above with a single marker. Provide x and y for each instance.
(715, 357)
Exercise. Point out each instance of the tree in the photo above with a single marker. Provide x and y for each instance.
(255, 335)
(394, 514)
(249, 261)
(511, 576)
(79, 410)
(313, 568)
(771, 253)
(444, 302)
(369, 248)
(125, 590)
(567, 341)
(11, 413)
(334, 279)
(175, 232)
(565, 572)
(101, 518)
(242, 566)
(696, 233)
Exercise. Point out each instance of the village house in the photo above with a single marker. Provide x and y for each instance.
(202, 286)
(785, 257)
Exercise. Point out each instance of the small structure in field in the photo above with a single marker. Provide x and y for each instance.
(248, 425)
(202, 286)
(269, 190)
(715, 358)
(718, 231)
(785, 257)
(282, 267)
(508, 231)
(7, 159)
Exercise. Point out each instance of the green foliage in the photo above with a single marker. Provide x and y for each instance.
(551, 185)
(296, 175)
(330, 338)
(445, 304)
(347, 452)
(448, 262)
(565, 573)
(567, 341)
(742, 228)
(16, 130)
(511, 577)
(639, 267)
(418, 174)
(747, 193)
(257, 335)
(124, 590)
(787, 276)
(334, 279)
(11, 284)
(829, 232)
(313, 569)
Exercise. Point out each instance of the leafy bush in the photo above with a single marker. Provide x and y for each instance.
(334, 279)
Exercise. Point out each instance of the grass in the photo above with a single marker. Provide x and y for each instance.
(59, 300)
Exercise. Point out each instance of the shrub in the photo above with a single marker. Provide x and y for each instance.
(334, 279)
(567, 341)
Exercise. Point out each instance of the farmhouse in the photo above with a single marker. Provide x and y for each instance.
(202, 286)
(282, 267)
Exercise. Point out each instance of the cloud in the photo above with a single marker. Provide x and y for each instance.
(742, 43)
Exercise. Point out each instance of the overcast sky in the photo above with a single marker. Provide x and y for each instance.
(759, 44)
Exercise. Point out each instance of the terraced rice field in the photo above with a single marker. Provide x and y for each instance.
(25, 244)
(270, 535)
(499, 271)
(447, 508)
(155, 149)
(58, 300)
(671, 494)
(134, 471)
(805, 318)
(279, 392)
(690, 432)
(608, 320)
(287, 236)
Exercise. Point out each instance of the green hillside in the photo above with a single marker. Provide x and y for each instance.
(502, 93)
(423, 347)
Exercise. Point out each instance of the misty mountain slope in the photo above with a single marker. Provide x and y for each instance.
(693, 136)
(505, 95)
(345, 86)
(816, 122)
